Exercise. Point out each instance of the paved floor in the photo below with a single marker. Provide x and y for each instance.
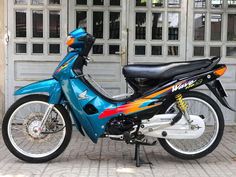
(109, 158)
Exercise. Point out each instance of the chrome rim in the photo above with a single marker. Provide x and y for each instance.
(206, 111)
(23, 125)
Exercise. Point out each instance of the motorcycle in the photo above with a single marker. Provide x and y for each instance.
(162, 106)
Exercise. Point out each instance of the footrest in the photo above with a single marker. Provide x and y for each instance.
(146, 143)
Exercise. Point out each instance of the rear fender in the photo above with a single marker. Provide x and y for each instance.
(50, 86)
(216, 88)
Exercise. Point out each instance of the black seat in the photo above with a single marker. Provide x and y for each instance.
(164, 71)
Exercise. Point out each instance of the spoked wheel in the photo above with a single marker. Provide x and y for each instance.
(21, 124)
(203, 106)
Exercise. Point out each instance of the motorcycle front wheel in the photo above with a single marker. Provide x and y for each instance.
(204, 106)
(19, 129)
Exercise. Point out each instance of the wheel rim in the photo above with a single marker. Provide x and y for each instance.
(22, 134)
(202, 143)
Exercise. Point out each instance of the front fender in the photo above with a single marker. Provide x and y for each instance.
(50, 86)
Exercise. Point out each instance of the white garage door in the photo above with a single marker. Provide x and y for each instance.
(127, 31)
(212, 32)
(38, 30)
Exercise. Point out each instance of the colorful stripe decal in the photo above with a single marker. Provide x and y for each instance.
(136, 106)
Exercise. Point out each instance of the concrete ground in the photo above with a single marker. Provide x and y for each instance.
(111, 158)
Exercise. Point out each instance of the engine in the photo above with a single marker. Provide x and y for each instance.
(118, 126)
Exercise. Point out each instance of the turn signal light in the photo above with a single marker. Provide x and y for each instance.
(220, 71)
(70, 41)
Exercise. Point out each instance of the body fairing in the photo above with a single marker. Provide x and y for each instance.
(65, 83)
(72, 87)
(92, 125)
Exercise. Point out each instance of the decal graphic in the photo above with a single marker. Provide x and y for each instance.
(144, 103)
(199, 82)
(186, 85)
(61, 68)
(135, 106)
(83, 95)
(64, 65)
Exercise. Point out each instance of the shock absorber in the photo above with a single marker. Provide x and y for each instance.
(183, 106)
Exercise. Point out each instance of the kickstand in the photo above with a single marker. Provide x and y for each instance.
(137, 156)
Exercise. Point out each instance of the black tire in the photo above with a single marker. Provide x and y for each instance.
(61, 148)
(218, 111)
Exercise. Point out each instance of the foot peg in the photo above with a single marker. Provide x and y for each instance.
(127, 137)
(146, 143)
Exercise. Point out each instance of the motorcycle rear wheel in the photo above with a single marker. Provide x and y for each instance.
(184, 149)
(19, 132)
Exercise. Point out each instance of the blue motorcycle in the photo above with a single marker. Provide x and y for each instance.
(188, 124)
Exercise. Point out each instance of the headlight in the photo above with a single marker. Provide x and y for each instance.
(70, 40)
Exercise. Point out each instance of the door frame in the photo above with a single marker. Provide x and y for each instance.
(6, 42)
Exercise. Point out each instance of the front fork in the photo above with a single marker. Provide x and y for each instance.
(45, 117)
